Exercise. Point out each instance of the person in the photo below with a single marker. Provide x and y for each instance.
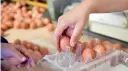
(12, 55)
(77, 18)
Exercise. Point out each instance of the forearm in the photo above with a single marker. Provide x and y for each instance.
(103, 6)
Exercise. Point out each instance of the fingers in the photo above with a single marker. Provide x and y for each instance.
(58, 32)
(76, 33)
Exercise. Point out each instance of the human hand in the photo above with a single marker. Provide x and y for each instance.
(16, 55)
(72, 24)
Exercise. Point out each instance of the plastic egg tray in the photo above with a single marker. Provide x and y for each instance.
(67, 61)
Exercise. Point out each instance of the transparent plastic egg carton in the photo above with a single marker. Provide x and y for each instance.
(67, 61)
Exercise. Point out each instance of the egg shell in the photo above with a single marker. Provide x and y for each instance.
(24, 25)
(100, 50)
(64, 42)
(33, 25)
(42, 10)
(90, 43)
(125, 50)
(9, 24)
(4, 4)
(4, 27)
(97, 41)
(44, 51)
(17, 42)
(46, 21)
(36, 56)
(88, 54)
(50, 27)
(24, 43)
(29, 45)
(17, 26)
(69, 32)
(36, 47)
(117, 46)
(107, 45)
(24, 9)
(39, 23)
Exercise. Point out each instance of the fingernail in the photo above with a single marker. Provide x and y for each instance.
(73, 44)
(23, 59)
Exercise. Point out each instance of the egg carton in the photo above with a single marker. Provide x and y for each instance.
(67, 61)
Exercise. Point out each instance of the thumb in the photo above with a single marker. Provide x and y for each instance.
(76, 33)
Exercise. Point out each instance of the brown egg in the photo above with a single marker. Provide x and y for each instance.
(50, 27)
(46, 21)
(97, 41)
(100, 50)
(24, 25)
(17, 26)
(29, 14)
(107, 45)
(42, 10)
(29, 45)
(90, 43)
(44, 51)
(36, 47)
(64, 42)
(39, 23)
(17, 42)
(4, 27)
(9, 24)
(125, 50)
(36, 56)
(24, 43)
(88, 54)
(117, 46)
(4, 4)
(69, 32)
(24, 9)
(33, 25)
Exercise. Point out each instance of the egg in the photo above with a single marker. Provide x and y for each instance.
(97, 41)
(88, 54)
(4, 27)
(44, 51)
(4, 4)
(117, 46)
(107, 45)
(100, 50)
(39, 23)
(24, 25)
(69, 32)
(64, 42)
(50, 27)
(41, 10)
(24, 43)
(29, 14)
(36, 56)
(29, 45)
(9, 24)
(125, 50)
(33, 25)
(17, 26)
(17, 42)
(91, 43)
(46, 21)
(24, 9)
(36, 48)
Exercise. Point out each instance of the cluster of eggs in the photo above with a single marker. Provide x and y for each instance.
(20, 17)
(91, 49)
(32, 50)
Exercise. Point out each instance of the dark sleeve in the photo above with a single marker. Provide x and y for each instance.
(3, 40)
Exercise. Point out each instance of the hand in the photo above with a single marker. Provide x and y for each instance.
(78, 17)
(72, 22)
(13, 56)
